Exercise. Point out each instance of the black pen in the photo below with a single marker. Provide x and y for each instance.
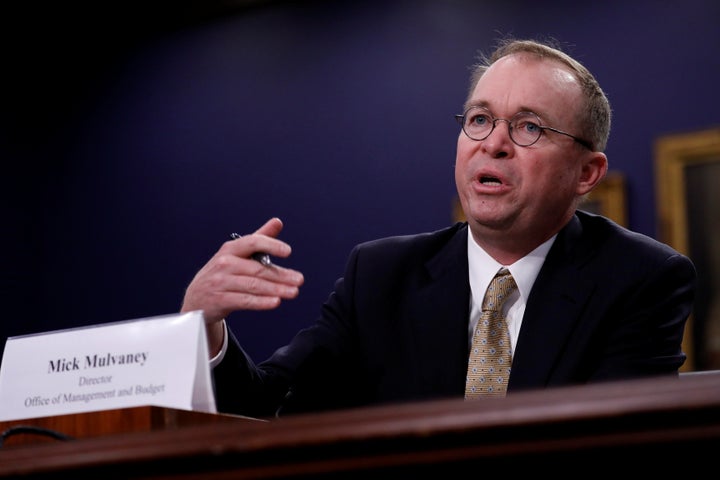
(261, 257)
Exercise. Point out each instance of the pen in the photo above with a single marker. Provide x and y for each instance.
(261, 257)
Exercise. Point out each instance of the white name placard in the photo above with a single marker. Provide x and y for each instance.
(161, 361)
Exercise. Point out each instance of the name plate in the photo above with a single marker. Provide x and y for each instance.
(161, 361)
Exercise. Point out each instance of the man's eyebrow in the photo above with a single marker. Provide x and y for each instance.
(526, 109)
(481, 103)
(542, 116)
(521, 109)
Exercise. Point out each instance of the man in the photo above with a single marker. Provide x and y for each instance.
(594, 302)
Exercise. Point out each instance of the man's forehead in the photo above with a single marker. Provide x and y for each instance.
(525, 82)
(526, 65)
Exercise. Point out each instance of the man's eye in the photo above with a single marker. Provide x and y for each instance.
(480, 120)
(529, 127)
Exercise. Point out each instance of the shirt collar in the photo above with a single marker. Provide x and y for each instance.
(483, 267)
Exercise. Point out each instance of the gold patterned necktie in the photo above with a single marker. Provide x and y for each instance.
(491, 351)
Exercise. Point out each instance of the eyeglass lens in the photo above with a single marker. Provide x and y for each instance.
(524, 127)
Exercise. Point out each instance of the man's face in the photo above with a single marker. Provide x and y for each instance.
(523, 191)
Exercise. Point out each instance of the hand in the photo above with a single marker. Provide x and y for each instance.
(231, 280)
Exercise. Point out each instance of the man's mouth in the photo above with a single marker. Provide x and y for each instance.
(487, 180)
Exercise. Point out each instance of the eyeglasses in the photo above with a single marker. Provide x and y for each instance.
(524, 127)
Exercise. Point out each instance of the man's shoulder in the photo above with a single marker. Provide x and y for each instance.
(423, 240)
(411, 251)
(602, 233)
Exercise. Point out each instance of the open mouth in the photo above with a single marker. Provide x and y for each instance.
(487, 180)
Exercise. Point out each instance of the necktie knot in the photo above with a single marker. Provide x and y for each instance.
(501, 286)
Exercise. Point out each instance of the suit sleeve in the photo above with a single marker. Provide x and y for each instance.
(646, 336)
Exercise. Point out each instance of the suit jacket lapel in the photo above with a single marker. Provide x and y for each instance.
(552, 311)
(439, 314)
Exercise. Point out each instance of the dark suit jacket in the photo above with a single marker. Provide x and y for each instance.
(607, 304)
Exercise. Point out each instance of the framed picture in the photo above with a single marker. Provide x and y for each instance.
(687, 167)
(608, 198)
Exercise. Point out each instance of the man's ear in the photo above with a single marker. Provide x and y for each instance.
(594, 169)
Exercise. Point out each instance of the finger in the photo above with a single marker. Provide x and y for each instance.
(219, 292)
(247, 245)
(229, 265)
(271, 228)
(250, 293)
(251, 270)
(256, 286)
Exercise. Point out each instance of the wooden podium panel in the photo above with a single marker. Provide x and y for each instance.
(642, 427)
(106, 422)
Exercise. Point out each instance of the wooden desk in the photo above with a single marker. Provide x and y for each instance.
(644, 426)
(110, 422)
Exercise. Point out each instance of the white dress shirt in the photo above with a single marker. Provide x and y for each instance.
(483, 268)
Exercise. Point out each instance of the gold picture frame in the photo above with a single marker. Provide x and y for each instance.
(687, 174)
(608, 198)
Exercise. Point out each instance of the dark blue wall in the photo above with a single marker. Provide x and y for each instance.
(136, 140)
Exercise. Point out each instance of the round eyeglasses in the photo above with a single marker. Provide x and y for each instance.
(524, 127)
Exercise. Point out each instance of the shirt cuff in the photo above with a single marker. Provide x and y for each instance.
(215, 361)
